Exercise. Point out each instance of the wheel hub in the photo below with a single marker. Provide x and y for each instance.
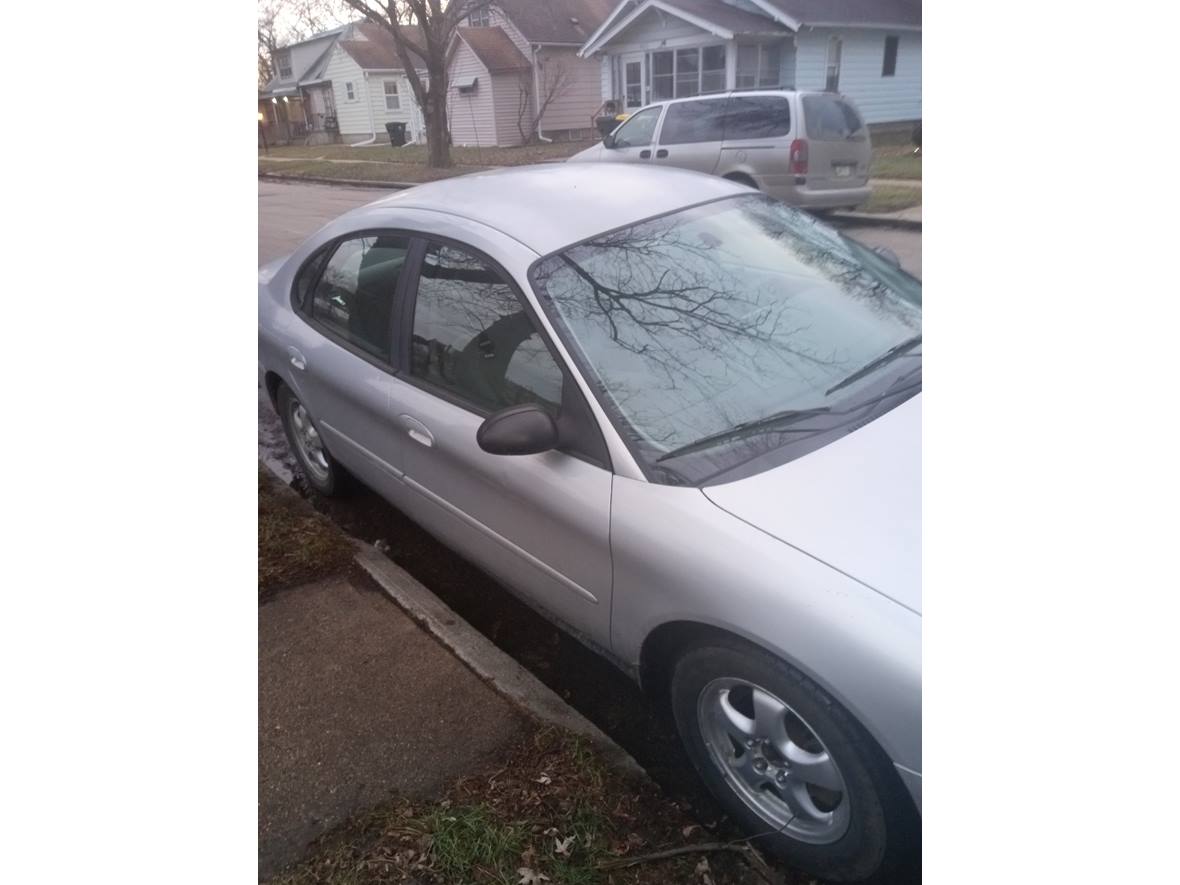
(773, 760)
(308, 442)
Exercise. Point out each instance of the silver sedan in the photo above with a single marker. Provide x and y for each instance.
(679, 418)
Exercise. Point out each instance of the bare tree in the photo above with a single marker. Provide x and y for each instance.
(268, 41)
(422, 31)
(552, 79)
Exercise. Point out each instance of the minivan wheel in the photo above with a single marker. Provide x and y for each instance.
(319, 467)
(788, 763)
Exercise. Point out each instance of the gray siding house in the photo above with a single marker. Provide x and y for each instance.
(514, 73)
(870, 50)
(341, 85)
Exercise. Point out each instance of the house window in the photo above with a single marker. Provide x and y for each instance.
(349, 92)
(481, 18)
(889, 66)
(835, 48)
(662, 66)
(683, 73)
(392, 101)
(759, 66)
(688, 73)
(283, 63)
(712, 69)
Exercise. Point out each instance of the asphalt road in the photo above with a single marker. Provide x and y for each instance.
(289, 213)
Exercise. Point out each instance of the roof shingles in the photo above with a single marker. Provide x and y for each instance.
(557, 21)
(494, 49)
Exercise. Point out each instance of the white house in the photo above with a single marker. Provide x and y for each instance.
(369, 86)
(346, 83)
(514, 73)
(870, 50)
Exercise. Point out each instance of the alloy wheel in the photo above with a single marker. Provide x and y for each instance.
(774, 761)
(308, 442)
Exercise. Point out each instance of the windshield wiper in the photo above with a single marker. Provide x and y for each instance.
(739, 430)
(779, 421)
(887, 357)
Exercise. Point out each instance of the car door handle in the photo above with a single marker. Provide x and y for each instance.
(661, 153)
(645, 155)
(416, 430)
(297, 359)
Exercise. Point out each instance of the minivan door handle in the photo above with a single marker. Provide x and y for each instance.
(416, 430)
(297, 359)
(661, 153)
(645, 155)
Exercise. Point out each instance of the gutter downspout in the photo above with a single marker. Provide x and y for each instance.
(372, 122)
(537, 92)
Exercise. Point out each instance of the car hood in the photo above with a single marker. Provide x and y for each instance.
(855, 504)
(590, 153)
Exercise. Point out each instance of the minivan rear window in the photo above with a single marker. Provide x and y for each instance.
(757, 116)
(830, 118)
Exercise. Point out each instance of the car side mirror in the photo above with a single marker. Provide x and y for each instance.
(608, 141)
(518, 430)
(888, 254)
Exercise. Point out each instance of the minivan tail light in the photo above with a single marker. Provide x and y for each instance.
(799, 156)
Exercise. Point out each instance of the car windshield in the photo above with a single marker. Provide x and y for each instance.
(733, 336)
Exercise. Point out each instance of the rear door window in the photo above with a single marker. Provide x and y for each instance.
(831, 118)
(757, 116)
(690, 122)
(354, 296)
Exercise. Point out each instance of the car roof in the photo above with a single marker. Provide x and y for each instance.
(554, 205)
(742, 93)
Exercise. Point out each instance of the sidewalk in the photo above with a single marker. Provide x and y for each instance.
(394, 752)
(358, 704)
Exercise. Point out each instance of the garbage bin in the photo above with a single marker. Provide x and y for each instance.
(609, 123)
(397, 133)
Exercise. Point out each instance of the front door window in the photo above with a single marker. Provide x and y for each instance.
(638, 131)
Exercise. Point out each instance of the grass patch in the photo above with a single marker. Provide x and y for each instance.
(896, 161)
(892, 198)
(554, 809)
(469, 841)
(416, 153)
(295, 544)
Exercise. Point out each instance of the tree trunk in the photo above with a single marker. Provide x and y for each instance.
(438, 138)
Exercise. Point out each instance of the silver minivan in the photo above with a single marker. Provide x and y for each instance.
(807, 149)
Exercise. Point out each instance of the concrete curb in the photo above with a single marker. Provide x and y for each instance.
(487, 661)
(865, 219)
(347, 182)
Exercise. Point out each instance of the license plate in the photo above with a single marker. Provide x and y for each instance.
(843, 171)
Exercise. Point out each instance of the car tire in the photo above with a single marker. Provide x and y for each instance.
(847, 819)
(316, 463)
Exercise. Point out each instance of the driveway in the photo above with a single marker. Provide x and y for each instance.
(289, 213)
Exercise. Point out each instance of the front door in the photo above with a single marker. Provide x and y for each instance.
(633, 141)
(540, 523)
(634, 93)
